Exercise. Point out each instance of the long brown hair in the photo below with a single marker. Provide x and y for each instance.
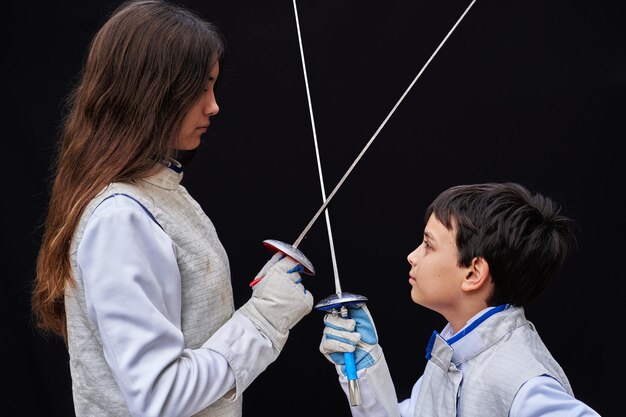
(146, 67)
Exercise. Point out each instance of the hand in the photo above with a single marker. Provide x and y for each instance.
(356, 334)
(279, 300)
(277, 257)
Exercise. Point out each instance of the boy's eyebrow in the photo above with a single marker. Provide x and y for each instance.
(429, 235)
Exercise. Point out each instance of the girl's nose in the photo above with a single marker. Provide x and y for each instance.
(211, 109)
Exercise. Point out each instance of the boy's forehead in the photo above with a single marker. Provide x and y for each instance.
(435, 229)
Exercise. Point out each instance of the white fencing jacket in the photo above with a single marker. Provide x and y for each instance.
(152, 329)
(495, 366)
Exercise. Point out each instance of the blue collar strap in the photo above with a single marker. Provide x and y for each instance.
(431, 343)
(465, 330)
(175, 166)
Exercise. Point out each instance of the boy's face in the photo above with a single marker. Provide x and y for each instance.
(435, 274)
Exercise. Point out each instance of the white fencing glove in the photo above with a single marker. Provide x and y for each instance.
(279, 300)
(356, 334)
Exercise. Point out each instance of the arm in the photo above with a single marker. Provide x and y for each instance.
(133, 297)
(278, 302)
(543, 396)
(132, 288)
(358, 335)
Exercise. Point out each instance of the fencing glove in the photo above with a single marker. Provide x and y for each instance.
(279, 300)
(356, 334)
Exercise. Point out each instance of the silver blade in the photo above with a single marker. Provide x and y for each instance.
(319, 164)
(330, 197)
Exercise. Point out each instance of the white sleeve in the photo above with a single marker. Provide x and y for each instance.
(378, 395)
(543, 396)
(408, 405)
(133, 295)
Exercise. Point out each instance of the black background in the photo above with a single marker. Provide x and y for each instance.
(527, 91)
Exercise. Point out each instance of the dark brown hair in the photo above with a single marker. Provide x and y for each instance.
(522, 235)
(146, 67)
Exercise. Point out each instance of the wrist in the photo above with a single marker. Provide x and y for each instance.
(277, 336)
(247, 350)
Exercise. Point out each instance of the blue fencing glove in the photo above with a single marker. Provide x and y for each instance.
(356, 334)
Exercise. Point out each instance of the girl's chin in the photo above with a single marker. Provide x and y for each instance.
(189, 143)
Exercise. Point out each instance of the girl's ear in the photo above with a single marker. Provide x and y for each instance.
(478, 275)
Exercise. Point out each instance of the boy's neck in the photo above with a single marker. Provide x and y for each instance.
(459, 319)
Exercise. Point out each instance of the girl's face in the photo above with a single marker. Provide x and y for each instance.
(435, 274)
(197, 120)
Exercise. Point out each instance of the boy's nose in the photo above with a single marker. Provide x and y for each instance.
(410, 256)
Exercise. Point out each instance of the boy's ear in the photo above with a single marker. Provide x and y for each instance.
(477, 276)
